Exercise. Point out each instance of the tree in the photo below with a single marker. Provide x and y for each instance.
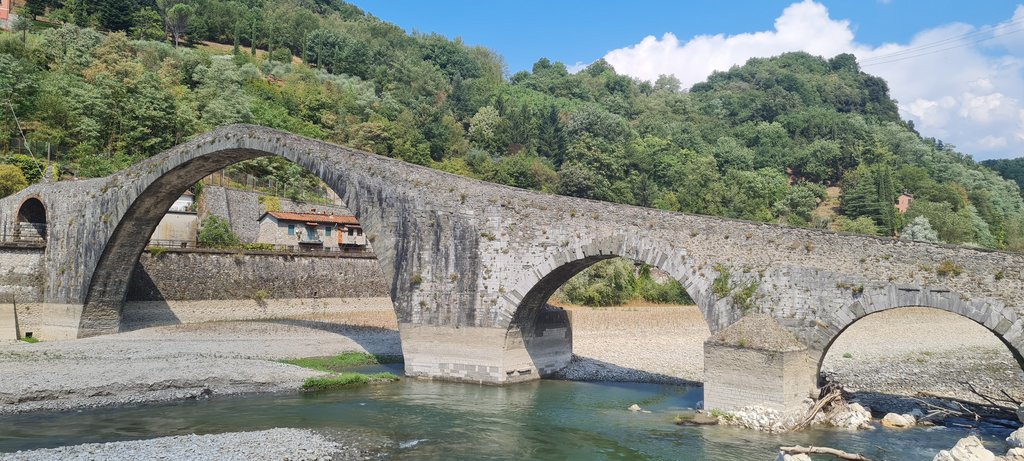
(35, 8)
(147, 25)
(921, 230)
(216, 233)
(176, 17)
(22, 25)
(11, 180)
(116, 15)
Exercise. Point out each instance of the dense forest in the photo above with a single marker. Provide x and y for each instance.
(794, 139)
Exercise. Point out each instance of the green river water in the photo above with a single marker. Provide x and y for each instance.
(547, 420)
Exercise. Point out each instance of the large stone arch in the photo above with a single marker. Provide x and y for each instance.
(999, 319)
(156, 183)
(539, 283)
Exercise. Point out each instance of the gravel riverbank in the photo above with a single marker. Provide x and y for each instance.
(270, 445)
(176, 362)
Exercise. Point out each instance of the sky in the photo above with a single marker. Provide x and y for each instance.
(955, 68)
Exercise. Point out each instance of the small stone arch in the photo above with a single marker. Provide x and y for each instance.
(999, 319)
(539, 283)
(30, 223)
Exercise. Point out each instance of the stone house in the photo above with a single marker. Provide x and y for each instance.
(903, 202)
(311, 231)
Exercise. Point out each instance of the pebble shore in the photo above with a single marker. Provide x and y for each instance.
(270, 445)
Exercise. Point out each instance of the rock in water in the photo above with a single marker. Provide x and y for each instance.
(898, 421)
(634, 407)
(967, 449)
(1020, 413)
(850, 416)
(1016, 439)
(1015, 454)
(799, 457)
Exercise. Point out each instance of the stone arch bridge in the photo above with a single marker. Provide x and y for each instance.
(471, 264)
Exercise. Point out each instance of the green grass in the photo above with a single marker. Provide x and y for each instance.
(346, 380)
(344, 360)
(30, 340)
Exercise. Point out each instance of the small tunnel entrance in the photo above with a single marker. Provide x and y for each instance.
(31, 222)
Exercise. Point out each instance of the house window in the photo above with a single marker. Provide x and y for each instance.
(351, 232)
(291, 229)
(327, 231)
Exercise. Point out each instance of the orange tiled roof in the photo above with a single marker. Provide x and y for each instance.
(312, 217)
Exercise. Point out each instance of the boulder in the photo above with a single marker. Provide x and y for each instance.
(851, 416)
(967, 449)
(898, 421)
(1016, 439)
(1020, 413)
(634, 407)
(1015, 454)
(800, 457)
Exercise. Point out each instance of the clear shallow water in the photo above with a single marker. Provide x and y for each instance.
(554, 420)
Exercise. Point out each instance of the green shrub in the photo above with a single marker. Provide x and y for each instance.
(948, 267)
(216, 233)
(606, 283)
(720, 287)
(156, 252)
(11, 180)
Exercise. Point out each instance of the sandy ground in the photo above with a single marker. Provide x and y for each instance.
(899, 352)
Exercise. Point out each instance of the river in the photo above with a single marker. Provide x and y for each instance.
(424, 420)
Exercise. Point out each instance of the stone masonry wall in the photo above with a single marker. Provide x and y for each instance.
(21, 276)
(189, 276)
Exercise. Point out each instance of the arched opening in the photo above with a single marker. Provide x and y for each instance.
(239, 246)
(636, 327)
(31, 222)
(891, 357)
(186, 166)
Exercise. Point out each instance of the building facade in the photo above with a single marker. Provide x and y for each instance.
(311, 231)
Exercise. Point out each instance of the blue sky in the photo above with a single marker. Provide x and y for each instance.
(577, 31)
(974, 104)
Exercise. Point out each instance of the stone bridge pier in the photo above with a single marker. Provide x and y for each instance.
(471, 265)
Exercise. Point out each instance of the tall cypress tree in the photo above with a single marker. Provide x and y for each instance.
(550, 139)
(888, 217)
(116, 15)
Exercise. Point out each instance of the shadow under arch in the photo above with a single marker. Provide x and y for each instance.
(108, 285)
(989, 315)
(30, 223)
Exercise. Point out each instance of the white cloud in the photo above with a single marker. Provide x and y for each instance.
(961, 90)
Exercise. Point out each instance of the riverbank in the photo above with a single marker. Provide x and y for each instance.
(180, 362)
(894, 353)
(268, 445)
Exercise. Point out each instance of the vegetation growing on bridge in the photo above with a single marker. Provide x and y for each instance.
(761, 141)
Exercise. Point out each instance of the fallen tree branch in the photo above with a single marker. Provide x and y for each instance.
(992, 401)
(798, 450)
(963, 401)
(826, 400)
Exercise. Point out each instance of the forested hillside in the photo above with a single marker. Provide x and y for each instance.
(762, 141)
